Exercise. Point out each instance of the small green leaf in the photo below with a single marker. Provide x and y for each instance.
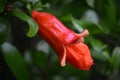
(15, 61)
(28, 6)
(4, 29)
(33, 26)
(37, 6)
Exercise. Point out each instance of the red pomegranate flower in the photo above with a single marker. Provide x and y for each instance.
(67, 44)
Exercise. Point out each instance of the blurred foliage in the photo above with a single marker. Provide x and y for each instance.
(23, 58)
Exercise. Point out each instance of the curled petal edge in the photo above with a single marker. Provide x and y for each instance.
(63, 57)
(81, 35)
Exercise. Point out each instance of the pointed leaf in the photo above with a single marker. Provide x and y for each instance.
(15, 61)
(33, 26)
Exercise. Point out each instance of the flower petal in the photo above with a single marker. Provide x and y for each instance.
(81, 35)
(63, 57)
(78, 55)
(84, 33)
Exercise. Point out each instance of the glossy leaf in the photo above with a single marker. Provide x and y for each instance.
(15, 61)
(4, 29)
(33, 27)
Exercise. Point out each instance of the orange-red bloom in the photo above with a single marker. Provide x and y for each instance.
(67, 44)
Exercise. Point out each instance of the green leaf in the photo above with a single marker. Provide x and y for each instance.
(99, 50)
(33, 26)
(100, 55)
(97, 45)
(15, 61)
(116, 57)
(4, 29)
(76, 24)
(92, 27)
(1, 6)
(38, 6)
(81, 24)
(28, 6)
